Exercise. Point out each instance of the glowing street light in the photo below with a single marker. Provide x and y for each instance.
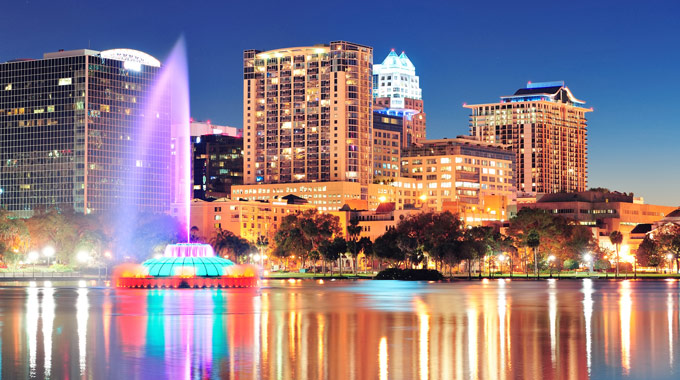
(589, 261)
(83, 257)
(49, 253)
(33, 256)
(670, 262)
(551, 258)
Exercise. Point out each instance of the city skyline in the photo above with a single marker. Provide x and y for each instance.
(617, 59)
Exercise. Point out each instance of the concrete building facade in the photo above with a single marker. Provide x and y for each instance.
(546, 127)
(462, 175)
(604, 212)
(307, 114)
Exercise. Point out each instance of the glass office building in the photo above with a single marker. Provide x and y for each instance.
(84, 129)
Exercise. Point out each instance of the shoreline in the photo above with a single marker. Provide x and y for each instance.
(307, 277)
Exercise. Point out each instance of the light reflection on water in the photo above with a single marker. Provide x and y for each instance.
(344, 330)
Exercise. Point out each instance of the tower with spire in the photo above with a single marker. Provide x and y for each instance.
(397, 109)
(396, 78)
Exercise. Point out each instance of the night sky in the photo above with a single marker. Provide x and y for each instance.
(621, 57)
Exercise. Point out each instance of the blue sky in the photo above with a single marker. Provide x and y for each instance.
(621, 57)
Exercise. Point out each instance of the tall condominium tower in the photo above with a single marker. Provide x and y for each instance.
(79, 129)
(307, 114)
(546, 126)
(396, 92)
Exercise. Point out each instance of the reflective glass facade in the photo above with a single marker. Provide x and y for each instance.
(80, 130)
(218, 164)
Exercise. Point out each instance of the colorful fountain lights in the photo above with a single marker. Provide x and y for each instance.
(187, 266)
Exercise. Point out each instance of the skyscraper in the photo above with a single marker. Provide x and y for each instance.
(307, 114)
(396, 92)
(217, 159)
(79, 129)
(546, 127)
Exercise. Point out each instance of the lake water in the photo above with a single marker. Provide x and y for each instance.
(493, 329)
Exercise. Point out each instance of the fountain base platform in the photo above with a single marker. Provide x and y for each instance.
(191, 282)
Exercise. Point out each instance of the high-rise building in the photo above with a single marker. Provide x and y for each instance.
(387, 133)
(79, 129)
(307, 114)
(217, 160)
(546, 127)
(396, 92)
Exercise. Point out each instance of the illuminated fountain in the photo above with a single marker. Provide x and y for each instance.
(186, 265)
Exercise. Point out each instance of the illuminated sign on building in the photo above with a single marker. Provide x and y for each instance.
(132, 58)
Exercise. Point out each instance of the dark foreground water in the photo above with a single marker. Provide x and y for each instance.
(344, 330)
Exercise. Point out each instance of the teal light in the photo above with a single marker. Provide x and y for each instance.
(188, 266)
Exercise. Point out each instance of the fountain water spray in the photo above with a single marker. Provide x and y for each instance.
(186, 264)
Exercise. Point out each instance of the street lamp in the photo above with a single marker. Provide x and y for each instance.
(501, 259)
(589, 260)
(83, 257)
(33, 257)
(551, 258)
(49, 253)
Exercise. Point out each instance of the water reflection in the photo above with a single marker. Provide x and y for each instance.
(625, 307)
(82, 314)
(47, 323)
(32, 315)
(587, 314)
(552, 311)
(465, 330)
(382, 358)
(671, 323)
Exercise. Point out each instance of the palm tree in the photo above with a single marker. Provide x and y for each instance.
(616, 239)
(225, 240)
(353, 232)
(533, 241)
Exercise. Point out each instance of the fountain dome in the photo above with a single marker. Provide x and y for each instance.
(189, 265)
(188, 260)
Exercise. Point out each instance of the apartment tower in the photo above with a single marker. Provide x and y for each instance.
(307, 114)
(546, 127)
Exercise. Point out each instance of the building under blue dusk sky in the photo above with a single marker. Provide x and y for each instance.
(620, 57)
